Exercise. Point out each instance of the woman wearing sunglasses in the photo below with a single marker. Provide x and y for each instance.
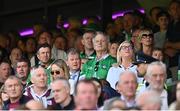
(59, 69)
(125, 57)
(146, 40)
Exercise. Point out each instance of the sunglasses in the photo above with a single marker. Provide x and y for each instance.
(57, 72)
(147, 35)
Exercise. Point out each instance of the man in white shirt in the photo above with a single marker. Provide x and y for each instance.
(156, 76)
(127, 85)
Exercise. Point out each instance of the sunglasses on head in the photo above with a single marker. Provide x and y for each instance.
(57, 72)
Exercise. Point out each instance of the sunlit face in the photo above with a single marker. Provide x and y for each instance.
(158, 55)
(57, 72)
(60, 92)
(87, 40)
(74, 62)
(5, 71)
(125, 50)
(157, 78)
(127, 85)
(22, 70)
(44, 54)
(39, 79)
(100, 43)
(13, 88)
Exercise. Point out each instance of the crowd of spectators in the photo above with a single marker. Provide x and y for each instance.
(132, 64)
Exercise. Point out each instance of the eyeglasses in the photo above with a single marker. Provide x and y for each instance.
(57, 72)
(147, 36)
(96, 66)
(126, 48)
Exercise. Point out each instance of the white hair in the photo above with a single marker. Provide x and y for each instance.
(157, 63)
(65, 82)
(103, 35)
(125, 73)
(149, 97)
(33, 70)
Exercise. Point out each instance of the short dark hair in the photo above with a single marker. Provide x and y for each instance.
(5, 61)
(44, 46)
(85, 81)
(163, 13)
(25, 60)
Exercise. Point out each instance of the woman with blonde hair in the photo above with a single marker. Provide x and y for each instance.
(59, 69)
(125, 58)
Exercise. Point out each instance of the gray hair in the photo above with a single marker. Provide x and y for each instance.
(63, 80)
(152, 97)
(103, 34)
(157, 63)
(34, 69)
(124, 73)
(108, 104)
(13, 78)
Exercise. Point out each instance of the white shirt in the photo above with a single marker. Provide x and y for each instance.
(164, 100)
(73, 80)
(131, 103)
(114, 73)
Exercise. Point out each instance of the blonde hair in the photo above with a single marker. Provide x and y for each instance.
(119, 57)
(62, 64)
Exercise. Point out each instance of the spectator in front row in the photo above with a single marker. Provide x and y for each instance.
(156, 76)
(13, 88)
(127, 85)
(61, 94)
(149, 100)
(39, 90)
(5, 71)
(86, 95)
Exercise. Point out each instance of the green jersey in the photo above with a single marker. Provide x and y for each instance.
(98, 69)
